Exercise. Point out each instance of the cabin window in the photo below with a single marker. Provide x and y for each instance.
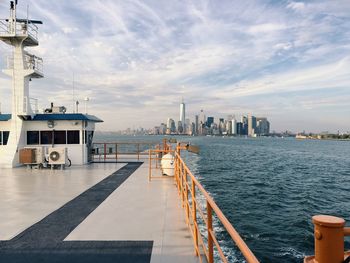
(73, 137)
(46, 137)
(4, 136)
(32, 137)
(60, 137)
(51, 137)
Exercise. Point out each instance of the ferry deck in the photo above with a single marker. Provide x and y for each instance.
(137, 210)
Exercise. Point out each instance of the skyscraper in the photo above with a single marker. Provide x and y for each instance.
(182, 113)
(202, 118)
(196, 125)
(251, 125)
(210, 120)
(234, 127)
(180, 127)
(262, 126)
(170, 127)
(244, 121)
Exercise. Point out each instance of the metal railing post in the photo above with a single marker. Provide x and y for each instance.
(116, 152)
(105, 151)
(194, 215)
(138, 152)
(210, 229)
(175, 167)
(186, 199)
(182, 184)
(150, 165)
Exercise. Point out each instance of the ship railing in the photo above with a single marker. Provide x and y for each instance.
(34, 105)
(21, 29)
(119, 151)
(27, 28)
(155, 156)
(329, 233)
(188, 186)
(4, 27)
(30, 62)
(27, 101)
(33, 62)
(192, 195)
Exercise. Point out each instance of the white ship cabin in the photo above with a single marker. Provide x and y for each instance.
(71, 132)
(28, 137)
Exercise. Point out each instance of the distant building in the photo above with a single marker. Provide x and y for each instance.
(187, 127)
(156, 130)
(210, 121)
(251, 125)
(170, 127)
(196, 123)
(222, 126)
(162, 128)
(228, 127)
(244, 121)
(180, 128)
(182, 114)
(202, 118)
(262, 126)
(193, 129)
(233, 126)
(240, 128)
(202, 123)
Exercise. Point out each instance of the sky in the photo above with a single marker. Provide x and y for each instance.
(137, 59)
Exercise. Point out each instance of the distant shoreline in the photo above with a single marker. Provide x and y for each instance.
(323, 139)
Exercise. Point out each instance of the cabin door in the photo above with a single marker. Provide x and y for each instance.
(89, 135)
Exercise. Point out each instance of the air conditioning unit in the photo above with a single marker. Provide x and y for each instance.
(57, 155)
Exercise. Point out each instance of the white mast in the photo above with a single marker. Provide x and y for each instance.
(22, 67)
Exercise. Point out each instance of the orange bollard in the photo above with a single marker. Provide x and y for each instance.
(329, 239)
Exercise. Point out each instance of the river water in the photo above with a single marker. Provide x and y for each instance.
(269, 188)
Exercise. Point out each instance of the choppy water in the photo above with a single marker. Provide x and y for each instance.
(269, 188)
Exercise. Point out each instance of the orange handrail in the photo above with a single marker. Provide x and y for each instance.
(181, 176)
(187, 184)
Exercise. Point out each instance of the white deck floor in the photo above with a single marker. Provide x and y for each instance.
(137, 210)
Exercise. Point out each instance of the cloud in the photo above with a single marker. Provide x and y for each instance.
(266, 28)
(138, 58)
(297, 6)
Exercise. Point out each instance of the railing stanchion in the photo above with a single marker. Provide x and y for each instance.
(116, 152)
(210, 229)
(157, 157)
(194, 214)
(186, 199)
(182, 184)
(175, 166)
(105, 151)
(138, 152)
(150, 165)
(178, 175)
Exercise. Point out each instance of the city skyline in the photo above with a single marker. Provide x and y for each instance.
(288, 60)
(201, 125)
